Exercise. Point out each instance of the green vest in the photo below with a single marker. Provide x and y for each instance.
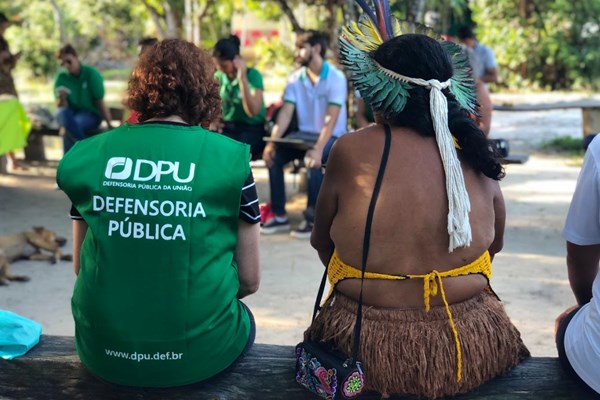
(155, 300)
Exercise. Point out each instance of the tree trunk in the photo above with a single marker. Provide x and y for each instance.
(414, 10)
(173, 21)
(157, 19)
(188, 20)
(526, 8)
(285, 8)
(198, 16)
(58, 21)
(332, 27)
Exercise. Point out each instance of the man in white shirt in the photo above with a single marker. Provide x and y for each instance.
(484, 62)
(578, 328)
(317, 93)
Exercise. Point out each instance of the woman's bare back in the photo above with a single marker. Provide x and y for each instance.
(409, 232)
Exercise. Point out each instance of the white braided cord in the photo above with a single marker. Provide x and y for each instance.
(459, 228)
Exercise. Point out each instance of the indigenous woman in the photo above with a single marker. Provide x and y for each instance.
(165, 231)
(431, 324)
(241, 90)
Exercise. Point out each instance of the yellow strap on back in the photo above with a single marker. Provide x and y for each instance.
(432, 284)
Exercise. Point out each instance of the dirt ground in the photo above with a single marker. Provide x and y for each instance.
(529, 274)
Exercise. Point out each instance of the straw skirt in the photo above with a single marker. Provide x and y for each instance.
(410, 351)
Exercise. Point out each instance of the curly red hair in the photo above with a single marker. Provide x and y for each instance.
(174, 77)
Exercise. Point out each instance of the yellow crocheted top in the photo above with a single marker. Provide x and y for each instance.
(432, 284)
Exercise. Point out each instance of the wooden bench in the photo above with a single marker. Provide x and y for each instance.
(590, 111)
(35, 142)
(52, 370)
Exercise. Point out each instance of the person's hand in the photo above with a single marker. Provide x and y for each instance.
(561, 317)
(216, 126)
(313, 157)
(269, 153)
(63, 91)
(63, 94)
(240, 66)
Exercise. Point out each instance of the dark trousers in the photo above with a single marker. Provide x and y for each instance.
(249, 134)
(284, 155)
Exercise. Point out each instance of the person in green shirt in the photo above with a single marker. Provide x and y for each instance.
(79, 91)
(165, 231)
(241, 90)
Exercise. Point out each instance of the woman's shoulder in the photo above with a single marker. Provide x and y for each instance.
(367, 134)
(353, 145)
(90, 70)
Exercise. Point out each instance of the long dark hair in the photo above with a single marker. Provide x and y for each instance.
(419, 56)
(227, 48)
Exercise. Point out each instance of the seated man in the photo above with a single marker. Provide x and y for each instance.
(317, 93)
(79, 91)
(578, 328)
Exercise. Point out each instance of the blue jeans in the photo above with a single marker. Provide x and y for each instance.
(77, 124)
(284, 155)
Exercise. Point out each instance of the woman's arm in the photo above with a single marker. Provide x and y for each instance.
(499, 222)
(79, 227)
(252, 99)
(327, 205)
(247, 258)
(104, 112)
(582, 264)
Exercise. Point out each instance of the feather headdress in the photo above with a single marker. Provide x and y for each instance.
(388, 91)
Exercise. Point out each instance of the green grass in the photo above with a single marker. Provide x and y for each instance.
(566, 146)
(117, 74)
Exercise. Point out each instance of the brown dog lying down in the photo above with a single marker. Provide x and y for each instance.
(29, 245)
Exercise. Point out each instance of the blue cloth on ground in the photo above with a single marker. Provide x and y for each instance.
(17, 334)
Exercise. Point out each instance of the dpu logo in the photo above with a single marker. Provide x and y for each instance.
(115, 163)
(120, 168)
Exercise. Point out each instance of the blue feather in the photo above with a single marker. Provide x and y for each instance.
(363, 4)
(384, 21)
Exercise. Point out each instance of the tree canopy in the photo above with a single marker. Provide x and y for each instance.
(546, 44)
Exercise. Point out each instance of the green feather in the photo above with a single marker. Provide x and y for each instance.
(388, 95)
(463, 84)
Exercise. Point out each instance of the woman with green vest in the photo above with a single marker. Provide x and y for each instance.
(165, 231)
(241, 90)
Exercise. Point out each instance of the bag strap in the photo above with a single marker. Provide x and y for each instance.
(366, 241)
(367, 238)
